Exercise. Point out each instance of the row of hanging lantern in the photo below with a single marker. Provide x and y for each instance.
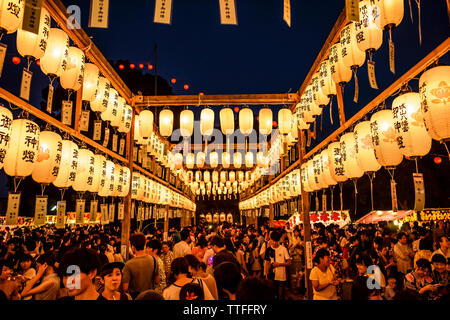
(217, 218)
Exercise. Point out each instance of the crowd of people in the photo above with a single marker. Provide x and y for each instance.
(227, 262)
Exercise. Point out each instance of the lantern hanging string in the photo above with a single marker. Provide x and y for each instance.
(356, 192)
(417, 167)
(51, 78)
(446, 147)
(43, 186)
(420, 24)
(340, 196)
(16, 184)
(410, 11)
(62, 191)
(324, 201)
(371, 175)
(29, 62)
(331, 109)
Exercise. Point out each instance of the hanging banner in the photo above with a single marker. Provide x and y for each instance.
(26, 84)
(140, 155)
(324, 202)
(419, 190)
(122, 146)
(309, 262)
(79, 211)
(163, 11)
(287, 12)
(228, 12)
(104, 211)
(93, 210)
(352, 10)
(51, 91)
(84, 120)
(140, 213)
(97, 130)
(106, 141)
(66, 114)
(147, 213)
(371, 72)
(40, 210)
(112, 212)
(114, 142)
(392, 56)
(99, 14)
(3, 48)
(61, 215)
(32, 16)
(132, 210)
(135, 154)
(394, 196)
(12, 211)
(120, 211)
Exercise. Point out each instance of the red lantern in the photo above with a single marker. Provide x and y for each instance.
(201, 94)
(257, 118)
(236, 109)
(121, 67)
(438, 160)
(141, 66)
(186, 87)
(275, 124)
(16, 60)
(132, 66)
(150, 67)
(173, 80)
(38, 62)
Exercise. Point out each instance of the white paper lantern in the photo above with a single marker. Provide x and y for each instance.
(384, 140)
(227, 121)
(214, 159)
(262, 160)
(352, 56)
(325, 162)
(48, 159)
(146, 124)
(72, 76)
(113, 105)
(319, 97)
(206, 177)
(6, 119)
(99, 173)
(69, 164)
(249, 160)
(101, 100)
(118, 116)
(285, 120)
(226, 160)
(336, 162)
(85, 171)
(326, 83)
(240, 176)
(339, 72)
(246, 121)
(206, 122)
(178, 161)
(108, 187)
(434, 85)
(136, 189)
(300, 117)
(166, 122)
(54, 61)
(31, 45)
(391, 12)
(304, 178)
(118, 181)
(319, 177)
(348, 153)
(90, 81)
(365, 153)
(369, 35)
(223, 176)
(265, 121)
(232, 176)
(307, 106)
(237, 160)
(313, 109)
(200, 159)
(186, 123)
(127, 182)
(412, 136)
(11, 15)
(125, 123)
(190, 161)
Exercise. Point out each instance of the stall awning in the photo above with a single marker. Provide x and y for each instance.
(377, 216)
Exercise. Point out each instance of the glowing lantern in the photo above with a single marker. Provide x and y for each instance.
(262, 160)
(72, 76)
(313, 182)
(365, 153)
(352, 56)
(5, 132)
(126, 183)
(237, 160)
(227, 121)
(137, 186)
(392, 12)
(214, 159)
(437, 160)
(348, 153)
(265, 121)
(318, 172)
(48, 159)
(339, 72)
(412, 136)
(249, 159)
(31, 45)
(384, 140)
(336, 162)
(232, 176)
(326, 82)
(85, 171)
(118, 181)
(215, 177)
(200, 159)
(223, 176)
(146, 124)
(90, 81)
(313, 108)
(285, 120)
(226, 160)
(113, 105)
(178, 161)
(301, 118)
(118, 116)
(125, 124)
(68, 166)
(166, 122)
(186, 123)
(369, 35)
(434, 87)
(240, 176)
(99, 173)
(246, 121)
(190, 161)
(206, 122)
(326, 173)
(206, 176)
(137, 131)
(101, 100)
(304, 178)
(54, 61)
(107, 189)
(319, 97)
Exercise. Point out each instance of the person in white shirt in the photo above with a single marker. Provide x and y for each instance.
(403, 253)
(182, 248)
(444, 246)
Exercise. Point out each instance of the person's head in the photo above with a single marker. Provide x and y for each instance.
(322, 258)
(439, 263)
(6, 269)
(178, 268)
(354, 240)
(193, 262)
(154, 247)
(78, 269)
(201, 242)
(25, 262)
(444, 243)
(424, 244)
(165, 247)
(227, 277)
(362, 262)
(217, 244)
(192, 291)
(30, 244)
(48, 259)
(150, 295)
(253, 288)
(275, 236)
(185, 235)
(402, 238)
(112, 275)
(378, 243)
(423, 267)
(392, 282)
(137, 242)
(322, 242)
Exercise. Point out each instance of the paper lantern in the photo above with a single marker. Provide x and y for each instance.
(265, 121)
(232, 176)
(307, 104)
(48, 159)
(68, 167)
(206, 122)
(319, 97)
(11, 15)
(365, 153)
(412, 136)
(107, 189)
(186, 123)
(146, 124)
(300, 117)
(137, 130)
(198, 176)
(178, 161)
(352, 56)
(127, 118)
(249, 160)
(31, 45)
(223, 176)
(72, 76)
(304, 178)
(313, 180)
(23, 149)
(434, 86)
(227, 121)
(246, 121)
(200, 159)
(118, 117)
(348, 153)
(369, 35)
(99, 176)
(113, 105)
(136, 186)
(190, 161)
(384, 140)
(166, 122)
(237, 160)
(313, 109)
(215, 177)
(240, 176)
(118, 181)
(317, 166)
(214, 159)
(85, 171)
(207, 176)
(226, 160)
(391, 12)
(91, 80)
(285, 120)
(326, 173)
(339, 72)
(101, 100)
(54, 61)
(6, 119)
(126, 183)
(336, 162)
(262, 160)
(326, 82)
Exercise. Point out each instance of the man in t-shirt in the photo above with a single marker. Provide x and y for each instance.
(276, 260)
(140, 273)
(182, 248)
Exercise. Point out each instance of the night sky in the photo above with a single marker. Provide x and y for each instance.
(260, 55)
